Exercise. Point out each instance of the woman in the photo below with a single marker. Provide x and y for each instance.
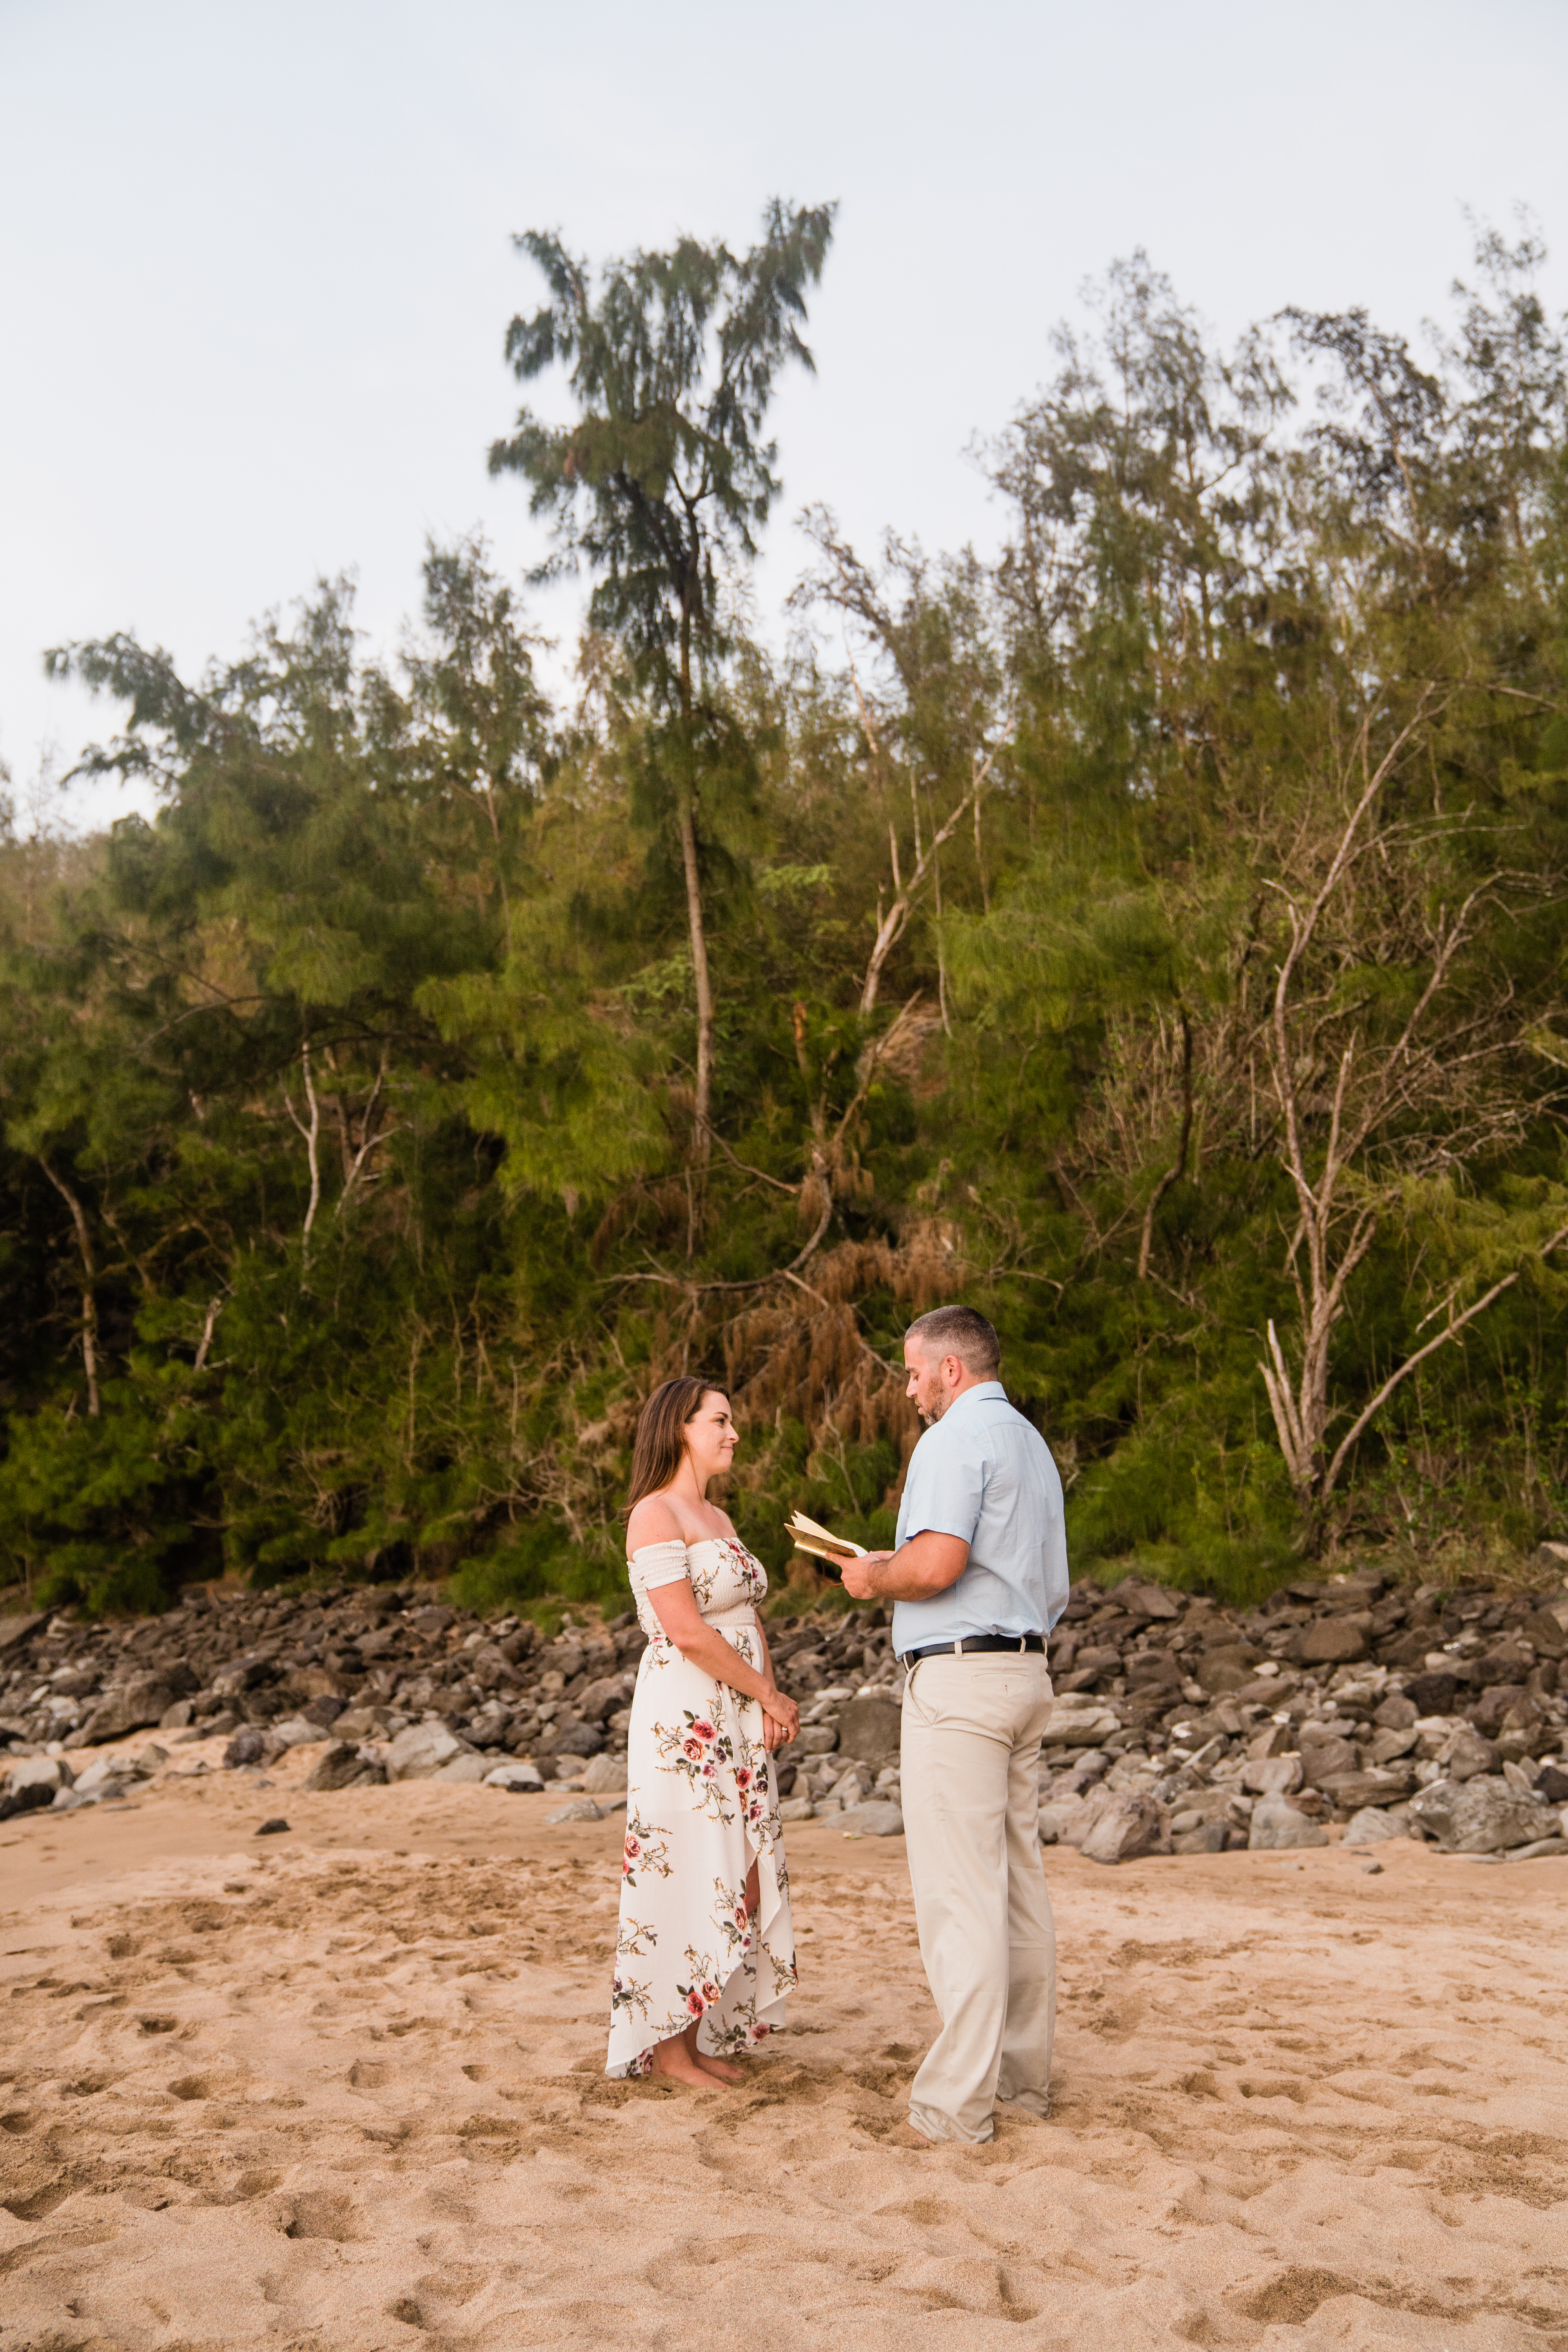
(705, 1952)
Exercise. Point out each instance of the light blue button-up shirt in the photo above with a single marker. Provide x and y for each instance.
(985, 1473)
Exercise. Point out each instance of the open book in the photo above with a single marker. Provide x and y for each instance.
(831, 1549)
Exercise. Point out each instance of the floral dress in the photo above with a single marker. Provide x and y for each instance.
(701, 1807)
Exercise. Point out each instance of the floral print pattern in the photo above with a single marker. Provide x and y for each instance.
(701, 1807)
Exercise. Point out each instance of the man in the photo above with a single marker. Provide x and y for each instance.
(978, 1579)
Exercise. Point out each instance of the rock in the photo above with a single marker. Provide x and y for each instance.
(1130, 1827)
(104, 1779)
(1073, 1725)
(1351, 1790)
(49, 1772)
(1202, 1837)
(815, 1739)
(1387, 1745)
(461, 1767)
(1433, 1694)
(143, 1701)
(420, 1750)
(870, 1728)
(582, 1809)
(324, 1709)
(1331, 1641)
(517, 1779)
(796, 1809)
(176, 1718)
(1323, 1759)
(274, 1828)
(878, 1817)
(344, 1766)
(35, 1796)
(1277, 1827)
(1479, 1815)
(362, 1722)
(15, 1631)
(1553, 1784)
(599, 1698)
(245, 1748)
(1146, 1600)
(1497, 1702)
(1467, 1755)
(1397, 1713)
(1371, 1825)
(1221, 1670)
(295, 1731)
(1273, 1775)
(1546, 1636)
(605, 1776)
(580, 1739)
(1274, 1739)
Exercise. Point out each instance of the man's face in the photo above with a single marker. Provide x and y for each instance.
(932, 1380)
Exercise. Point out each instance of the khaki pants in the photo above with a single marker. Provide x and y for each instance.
(972, 1729)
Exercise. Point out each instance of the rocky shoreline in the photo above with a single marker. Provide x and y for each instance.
(1182, 1725)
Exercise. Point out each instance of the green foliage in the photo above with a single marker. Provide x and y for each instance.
(436, 1072)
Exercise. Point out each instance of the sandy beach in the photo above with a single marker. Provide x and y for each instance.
(344, 2087)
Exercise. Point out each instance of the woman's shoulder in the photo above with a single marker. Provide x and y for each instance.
(652, 1521)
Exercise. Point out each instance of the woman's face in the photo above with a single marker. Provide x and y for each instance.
(710, 1436)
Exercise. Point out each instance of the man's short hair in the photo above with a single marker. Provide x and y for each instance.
(959, 1331)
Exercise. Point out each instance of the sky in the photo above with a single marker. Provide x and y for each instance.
(255, 264)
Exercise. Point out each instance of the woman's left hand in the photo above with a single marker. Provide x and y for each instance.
(775, 1733)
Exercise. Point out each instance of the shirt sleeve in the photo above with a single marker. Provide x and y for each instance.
(946, 1491)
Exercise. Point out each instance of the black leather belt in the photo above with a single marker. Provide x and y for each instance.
(976, 1642)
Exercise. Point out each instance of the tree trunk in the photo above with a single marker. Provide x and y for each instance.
(88, 1277)
(697, 927)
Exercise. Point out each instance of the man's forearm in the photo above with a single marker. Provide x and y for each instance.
(928, 1564)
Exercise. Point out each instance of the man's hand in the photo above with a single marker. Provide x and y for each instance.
(927, 1564)
(857, 1575)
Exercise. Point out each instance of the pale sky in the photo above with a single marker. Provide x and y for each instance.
(256, 267)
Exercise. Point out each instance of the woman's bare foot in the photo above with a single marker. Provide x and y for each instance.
(675, 2061)
(720, 2068)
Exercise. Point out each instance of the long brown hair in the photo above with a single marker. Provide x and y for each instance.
(661, 1438)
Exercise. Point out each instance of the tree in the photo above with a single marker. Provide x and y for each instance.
(664, 475)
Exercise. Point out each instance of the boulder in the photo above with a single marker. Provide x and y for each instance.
(580, 1739)
(1497, 1702)
(1277, 1827)
(1545, 1635)
(869, 1728)
(1072, 1724)
(33, 1798)
(420, 1751)
(1373, 1826)
(1480, 1815)
(1271, 1776)
(878, 1817)
(1324, 1758)
(294, 1731)
(344, 1766)
(136, 1705)
(1203, 1837)
(362, 1722)
(1352, 1790)
(1389, 1744)
(1467, 1755)
(15, 1631)
(1331, 1641)
(601, 1698)
(581, 1809)
(517, 1779)
(1397, 1713)
(468, 1767)
(1131, 1826)
(605, 1776)
(815, 1739)
(796, 1809)
(1228, 1669)
(1553, 1784)
(49, 1772)
(245, 1748)
(105, 1779)
(1432, 1692)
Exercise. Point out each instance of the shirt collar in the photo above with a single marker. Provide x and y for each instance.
(986, 1389)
